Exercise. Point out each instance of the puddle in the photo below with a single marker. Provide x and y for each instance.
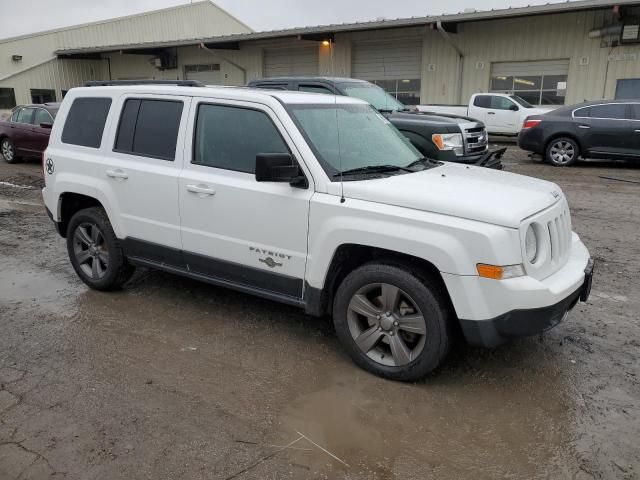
(37, 286)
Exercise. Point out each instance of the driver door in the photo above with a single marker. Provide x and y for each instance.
(249, 234)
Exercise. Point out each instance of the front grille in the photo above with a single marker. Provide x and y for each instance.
(475, 140)
(560, 236)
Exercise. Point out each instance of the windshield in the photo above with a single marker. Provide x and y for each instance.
(521, 101)
(347, 137)
(372, 94)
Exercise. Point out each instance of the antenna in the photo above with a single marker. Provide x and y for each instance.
(335, 103)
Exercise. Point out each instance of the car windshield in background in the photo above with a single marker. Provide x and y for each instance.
(521, 101)
(354, 138)
(374, 95)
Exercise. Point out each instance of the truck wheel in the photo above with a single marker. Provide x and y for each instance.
(392, 323)
(8, 151)
(95, 252)
(562, 152)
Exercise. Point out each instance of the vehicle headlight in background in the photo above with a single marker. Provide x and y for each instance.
(449, 141)
(531, 244)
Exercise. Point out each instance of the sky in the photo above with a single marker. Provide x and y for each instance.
(28, 16)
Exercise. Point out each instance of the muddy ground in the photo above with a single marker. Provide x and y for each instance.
(173, 379)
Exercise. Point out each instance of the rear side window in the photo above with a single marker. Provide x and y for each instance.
(222, 139)
(42, 116)
(635, 111)
(582, 112)
(149, 128)
(617, 111)
(85, 122)
(482, 101)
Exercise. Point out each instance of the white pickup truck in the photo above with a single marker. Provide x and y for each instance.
(501, 113)
(315, 201)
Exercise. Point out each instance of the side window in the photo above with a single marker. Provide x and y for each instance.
(42, 116)
(271, 86)
(501, 103)
(617, 111)
(635, 111)
(482, 101)
(582, 112)
(15, 115)
(149, 128)
(315, 89)
(25, 116)
(221, 139)
(85, 122)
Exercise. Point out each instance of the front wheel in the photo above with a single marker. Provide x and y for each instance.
(95, 252)
(8, 151)
(562, 152)
(392, 323)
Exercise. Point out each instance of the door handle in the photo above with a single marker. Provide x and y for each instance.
(491, 113)
(637, 131)
(201, 190)
(584, 126)
(117, 174)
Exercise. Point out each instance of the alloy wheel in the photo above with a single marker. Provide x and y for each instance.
(90, 250)
(562, 152)
(7, 150)
(386, 324)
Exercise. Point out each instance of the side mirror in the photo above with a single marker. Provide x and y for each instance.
(46, 125)
(514, 108)
(279, 167)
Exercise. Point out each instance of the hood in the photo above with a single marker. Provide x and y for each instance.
(435, 118)
(474, 193)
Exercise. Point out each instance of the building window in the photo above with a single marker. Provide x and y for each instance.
(41, 95)
(214, 67)
(628, 89)
(535, 89)
(7, 98)
(406, 91)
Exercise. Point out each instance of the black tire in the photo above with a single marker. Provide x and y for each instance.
(5, 144)
(115, 271)
(426, 296)
(562, 152)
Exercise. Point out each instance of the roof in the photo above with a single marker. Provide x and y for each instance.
(476, 15)
(220, 92)
(197, 9)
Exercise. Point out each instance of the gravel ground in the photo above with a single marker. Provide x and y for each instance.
(173, 379)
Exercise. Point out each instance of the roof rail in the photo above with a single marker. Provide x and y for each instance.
(179, 83)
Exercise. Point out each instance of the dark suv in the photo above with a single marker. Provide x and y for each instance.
(441, 137)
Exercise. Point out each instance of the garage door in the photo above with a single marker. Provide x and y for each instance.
(394, 65)
(301, 60)
(540, 83)
(208, 74)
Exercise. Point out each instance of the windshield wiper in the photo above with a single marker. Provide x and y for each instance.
(426, 162)
(373, 169)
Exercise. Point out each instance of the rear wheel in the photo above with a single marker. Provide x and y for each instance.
(392, 323)
(95, 252)
(8, 151)
(562, 152)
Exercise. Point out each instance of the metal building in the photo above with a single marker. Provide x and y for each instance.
(549, 54)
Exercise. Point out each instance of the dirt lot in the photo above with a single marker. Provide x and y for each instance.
(173, 379)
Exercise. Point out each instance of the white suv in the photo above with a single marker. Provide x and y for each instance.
(314, 201)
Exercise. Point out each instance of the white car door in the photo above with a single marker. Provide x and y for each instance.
(503, 116)
(140, 173)
(249, 234)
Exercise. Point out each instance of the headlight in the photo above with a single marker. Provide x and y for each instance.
(531, 245)
(449, 141)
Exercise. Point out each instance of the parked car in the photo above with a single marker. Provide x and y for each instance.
(25, 133)
(450, 138)
(315, 201)
(600, 129)
(501, 113)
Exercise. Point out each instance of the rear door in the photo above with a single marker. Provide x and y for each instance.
(22, 130)
(503, 116)
(140, 173)
(608, 129)
(479, 107)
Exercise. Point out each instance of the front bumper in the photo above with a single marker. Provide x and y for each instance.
(524, 323)
(488, 159)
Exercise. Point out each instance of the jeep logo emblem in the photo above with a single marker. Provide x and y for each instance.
(270, 262)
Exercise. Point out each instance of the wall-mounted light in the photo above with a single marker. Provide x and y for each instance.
(326, 43)
(16, 58)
